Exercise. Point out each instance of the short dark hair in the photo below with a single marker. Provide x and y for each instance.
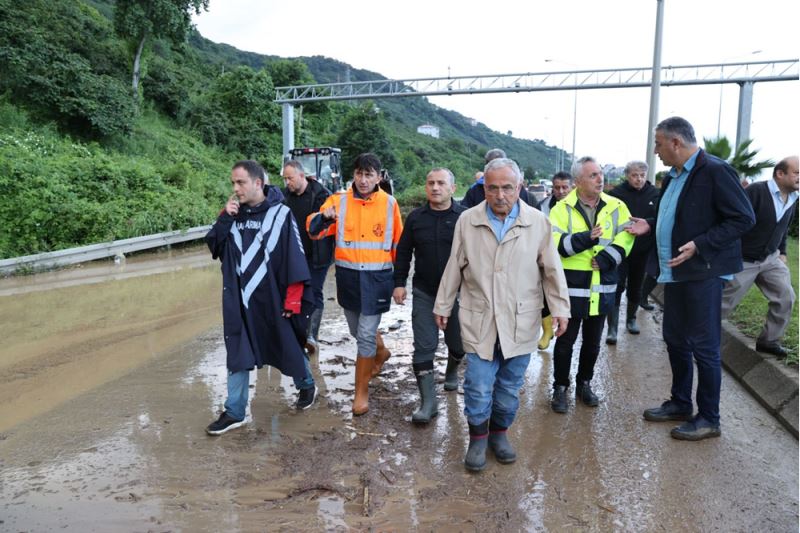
(783, 166)
(367, 161)
(253, 169)
(562, 175)
(678, 127)
(295, 164)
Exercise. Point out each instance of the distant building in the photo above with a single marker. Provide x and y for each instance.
(428, 129)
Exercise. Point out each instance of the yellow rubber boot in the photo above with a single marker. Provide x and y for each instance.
(547, 332)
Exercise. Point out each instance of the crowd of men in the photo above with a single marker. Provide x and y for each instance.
(501, 277)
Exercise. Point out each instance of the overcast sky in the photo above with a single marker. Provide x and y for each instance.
(417, 38)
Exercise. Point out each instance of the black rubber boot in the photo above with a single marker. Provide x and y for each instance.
(559, 401)
(613, 323)
(429, 404)
(451, 372)
(312, 342)
(498, 443)
(583, 392)
(475, 460)
(630, 323)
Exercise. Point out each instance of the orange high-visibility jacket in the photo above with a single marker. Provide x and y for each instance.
(366, 231)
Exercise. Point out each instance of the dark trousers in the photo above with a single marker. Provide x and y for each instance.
(692, 324)
(318, 276)
(631, 275)
(590, 348)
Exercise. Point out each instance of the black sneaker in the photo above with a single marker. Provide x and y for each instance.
(559, 402)
(583, 392)
(306, 398)
(224, 424)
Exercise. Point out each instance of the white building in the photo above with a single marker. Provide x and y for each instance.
(428, 129)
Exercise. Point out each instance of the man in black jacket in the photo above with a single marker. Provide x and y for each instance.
(304, 196)
(476, 194)
(764, 254)
(701, 216)
(428, 234)
(641, 197)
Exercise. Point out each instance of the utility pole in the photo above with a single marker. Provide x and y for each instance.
(654, 93)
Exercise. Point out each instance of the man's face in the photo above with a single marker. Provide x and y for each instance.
(590, 180)
(502, 190)
(438, 188)
(294, 180)
(637, 177)
(561, 189)
(365, 180)
(788, 181)
(666, 148)
(245, 188)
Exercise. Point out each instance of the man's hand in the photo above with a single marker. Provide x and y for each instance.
(560, 324)
(232, 207)
(441, 321)
(399, 295)
(287, 313)
(687, 251)
(783, 258)
(597, 232)
(638, 227)
(595, 266)
(329, 213)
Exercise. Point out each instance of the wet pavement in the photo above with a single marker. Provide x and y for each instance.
(109, 377)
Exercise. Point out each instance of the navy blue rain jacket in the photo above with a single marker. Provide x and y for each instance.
(261, 256)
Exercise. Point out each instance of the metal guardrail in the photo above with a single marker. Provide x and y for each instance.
(102, 250)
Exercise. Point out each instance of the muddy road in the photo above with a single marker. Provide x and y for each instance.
(109, 375)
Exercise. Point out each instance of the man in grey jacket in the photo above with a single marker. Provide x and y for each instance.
(502, 291)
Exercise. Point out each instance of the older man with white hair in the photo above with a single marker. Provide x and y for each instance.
(505, 263)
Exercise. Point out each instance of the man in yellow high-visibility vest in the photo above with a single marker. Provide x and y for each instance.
(589, 231)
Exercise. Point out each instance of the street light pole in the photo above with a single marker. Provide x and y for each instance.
(654, 92)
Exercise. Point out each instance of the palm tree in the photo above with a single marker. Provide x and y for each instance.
(742, 160)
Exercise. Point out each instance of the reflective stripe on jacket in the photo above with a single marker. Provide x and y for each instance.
(592, 292)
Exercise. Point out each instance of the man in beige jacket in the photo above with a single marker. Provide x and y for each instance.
(505, 264)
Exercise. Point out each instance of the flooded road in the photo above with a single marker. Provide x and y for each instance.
(107, 386)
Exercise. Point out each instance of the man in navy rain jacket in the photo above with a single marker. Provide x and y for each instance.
(266, 295)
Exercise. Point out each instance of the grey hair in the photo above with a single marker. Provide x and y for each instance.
(678, 127)
(295, 164)
(633, 165)
(494, 153)
(577, 166)
(446, 171)
(495, 164)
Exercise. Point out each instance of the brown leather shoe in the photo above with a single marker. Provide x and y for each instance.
(363, 373)
(382, 354)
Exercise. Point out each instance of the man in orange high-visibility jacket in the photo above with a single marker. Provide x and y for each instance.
(367, 226)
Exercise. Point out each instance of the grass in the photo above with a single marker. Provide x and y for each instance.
(749, 316)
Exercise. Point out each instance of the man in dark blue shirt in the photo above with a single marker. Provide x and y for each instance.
(428, 234)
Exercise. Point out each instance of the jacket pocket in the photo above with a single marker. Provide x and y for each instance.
(528, 321)
(473, 325)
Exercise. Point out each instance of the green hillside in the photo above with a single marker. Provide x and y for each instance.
(84, 158)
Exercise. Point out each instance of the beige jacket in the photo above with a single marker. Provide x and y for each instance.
(502, 284)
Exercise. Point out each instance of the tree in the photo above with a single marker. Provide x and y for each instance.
(138, 20)
(364, 130)
(742, 159)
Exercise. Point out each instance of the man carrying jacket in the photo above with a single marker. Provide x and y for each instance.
(264, 289)
(505, 264)
(641, 197)
(428, 235)
(589, 231)
(702, 214)
(367, 226)
(305, 196)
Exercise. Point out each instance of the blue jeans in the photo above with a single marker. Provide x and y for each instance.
(318, 276)
(491, 388)
(692, 328)
(239, 387)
